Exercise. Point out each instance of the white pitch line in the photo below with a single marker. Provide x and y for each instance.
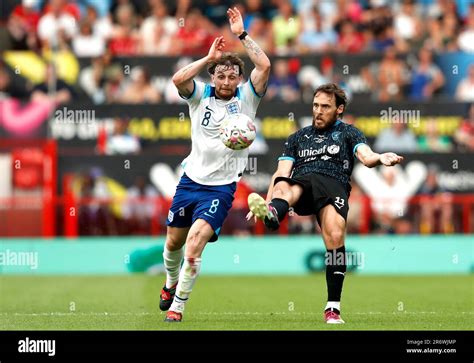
(57, 313)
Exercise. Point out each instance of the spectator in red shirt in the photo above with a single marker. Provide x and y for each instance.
(22, 26)
(193, 38)
(125, 38)
(27, 14)
(57, 26)
(67, 7)
(350, 40)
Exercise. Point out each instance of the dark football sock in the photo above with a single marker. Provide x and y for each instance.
(335, 271)
(281, 207)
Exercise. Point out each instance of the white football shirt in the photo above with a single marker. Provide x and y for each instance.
(210, 161)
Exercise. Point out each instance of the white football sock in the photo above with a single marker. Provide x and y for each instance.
(187, 278)
(334, 305)
(172, 260)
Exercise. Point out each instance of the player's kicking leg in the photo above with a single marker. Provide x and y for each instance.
(333, 228)
(199, 234)
(283, 197)
(172, 256)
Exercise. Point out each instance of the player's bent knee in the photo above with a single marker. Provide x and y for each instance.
(281, 191)
(174, 240)
(297, 190)
(277, 193)
(171, 245)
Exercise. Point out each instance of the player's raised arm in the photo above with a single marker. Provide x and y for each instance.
(370, 159)
(261, 72)
(183, 79)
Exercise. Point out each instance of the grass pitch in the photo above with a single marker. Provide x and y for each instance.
(236, 303)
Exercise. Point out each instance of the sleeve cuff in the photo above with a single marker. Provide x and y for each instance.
(356, 146)
(255, 92)
(286, 158)
(192, 93)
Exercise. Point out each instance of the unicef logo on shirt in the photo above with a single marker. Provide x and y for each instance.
(333, 149)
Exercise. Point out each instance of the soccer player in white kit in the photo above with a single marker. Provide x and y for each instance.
(206, 190)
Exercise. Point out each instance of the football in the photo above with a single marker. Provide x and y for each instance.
(238, 131)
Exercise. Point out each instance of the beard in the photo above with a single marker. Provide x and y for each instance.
(325, 121)
(225, 94)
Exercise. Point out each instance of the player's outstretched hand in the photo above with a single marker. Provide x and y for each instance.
(250, 215)
(235, 20)
(390, 159)
(215, 52)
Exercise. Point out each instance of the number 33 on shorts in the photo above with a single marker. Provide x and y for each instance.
(339, 202)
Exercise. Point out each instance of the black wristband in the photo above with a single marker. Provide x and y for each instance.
(243, 35)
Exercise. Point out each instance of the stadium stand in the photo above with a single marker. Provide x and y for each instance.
(89, 114)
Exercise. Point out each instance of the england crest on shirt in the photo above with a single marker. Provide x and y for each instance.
(232, 108)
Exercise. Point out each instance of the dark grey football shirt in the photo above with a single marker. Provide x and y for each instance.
(328, 152)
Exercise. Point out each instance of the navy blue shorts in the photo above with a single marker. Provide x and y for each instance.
(209, 202)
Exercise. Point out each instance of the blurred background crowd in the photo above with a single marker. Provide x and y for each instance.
(117, 57)
(281, 27)
(106, 29)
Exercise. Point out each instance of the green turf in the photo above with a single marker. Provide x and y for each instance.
(236, 303)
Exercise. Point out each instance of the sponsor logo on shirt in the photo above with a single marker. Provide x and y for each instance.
(333, 149)
(320, 138)
(335, 135)
(312, 152)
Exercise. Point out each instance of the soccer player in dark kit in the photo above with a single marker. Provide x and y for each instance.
(313, 177)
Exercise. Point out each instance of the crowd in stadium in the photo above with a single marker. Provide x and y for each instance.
(105, 30)
(402, 37)
(283, 27)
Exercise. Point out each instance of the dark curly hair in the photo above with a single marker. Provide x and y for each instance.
(227, 59)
